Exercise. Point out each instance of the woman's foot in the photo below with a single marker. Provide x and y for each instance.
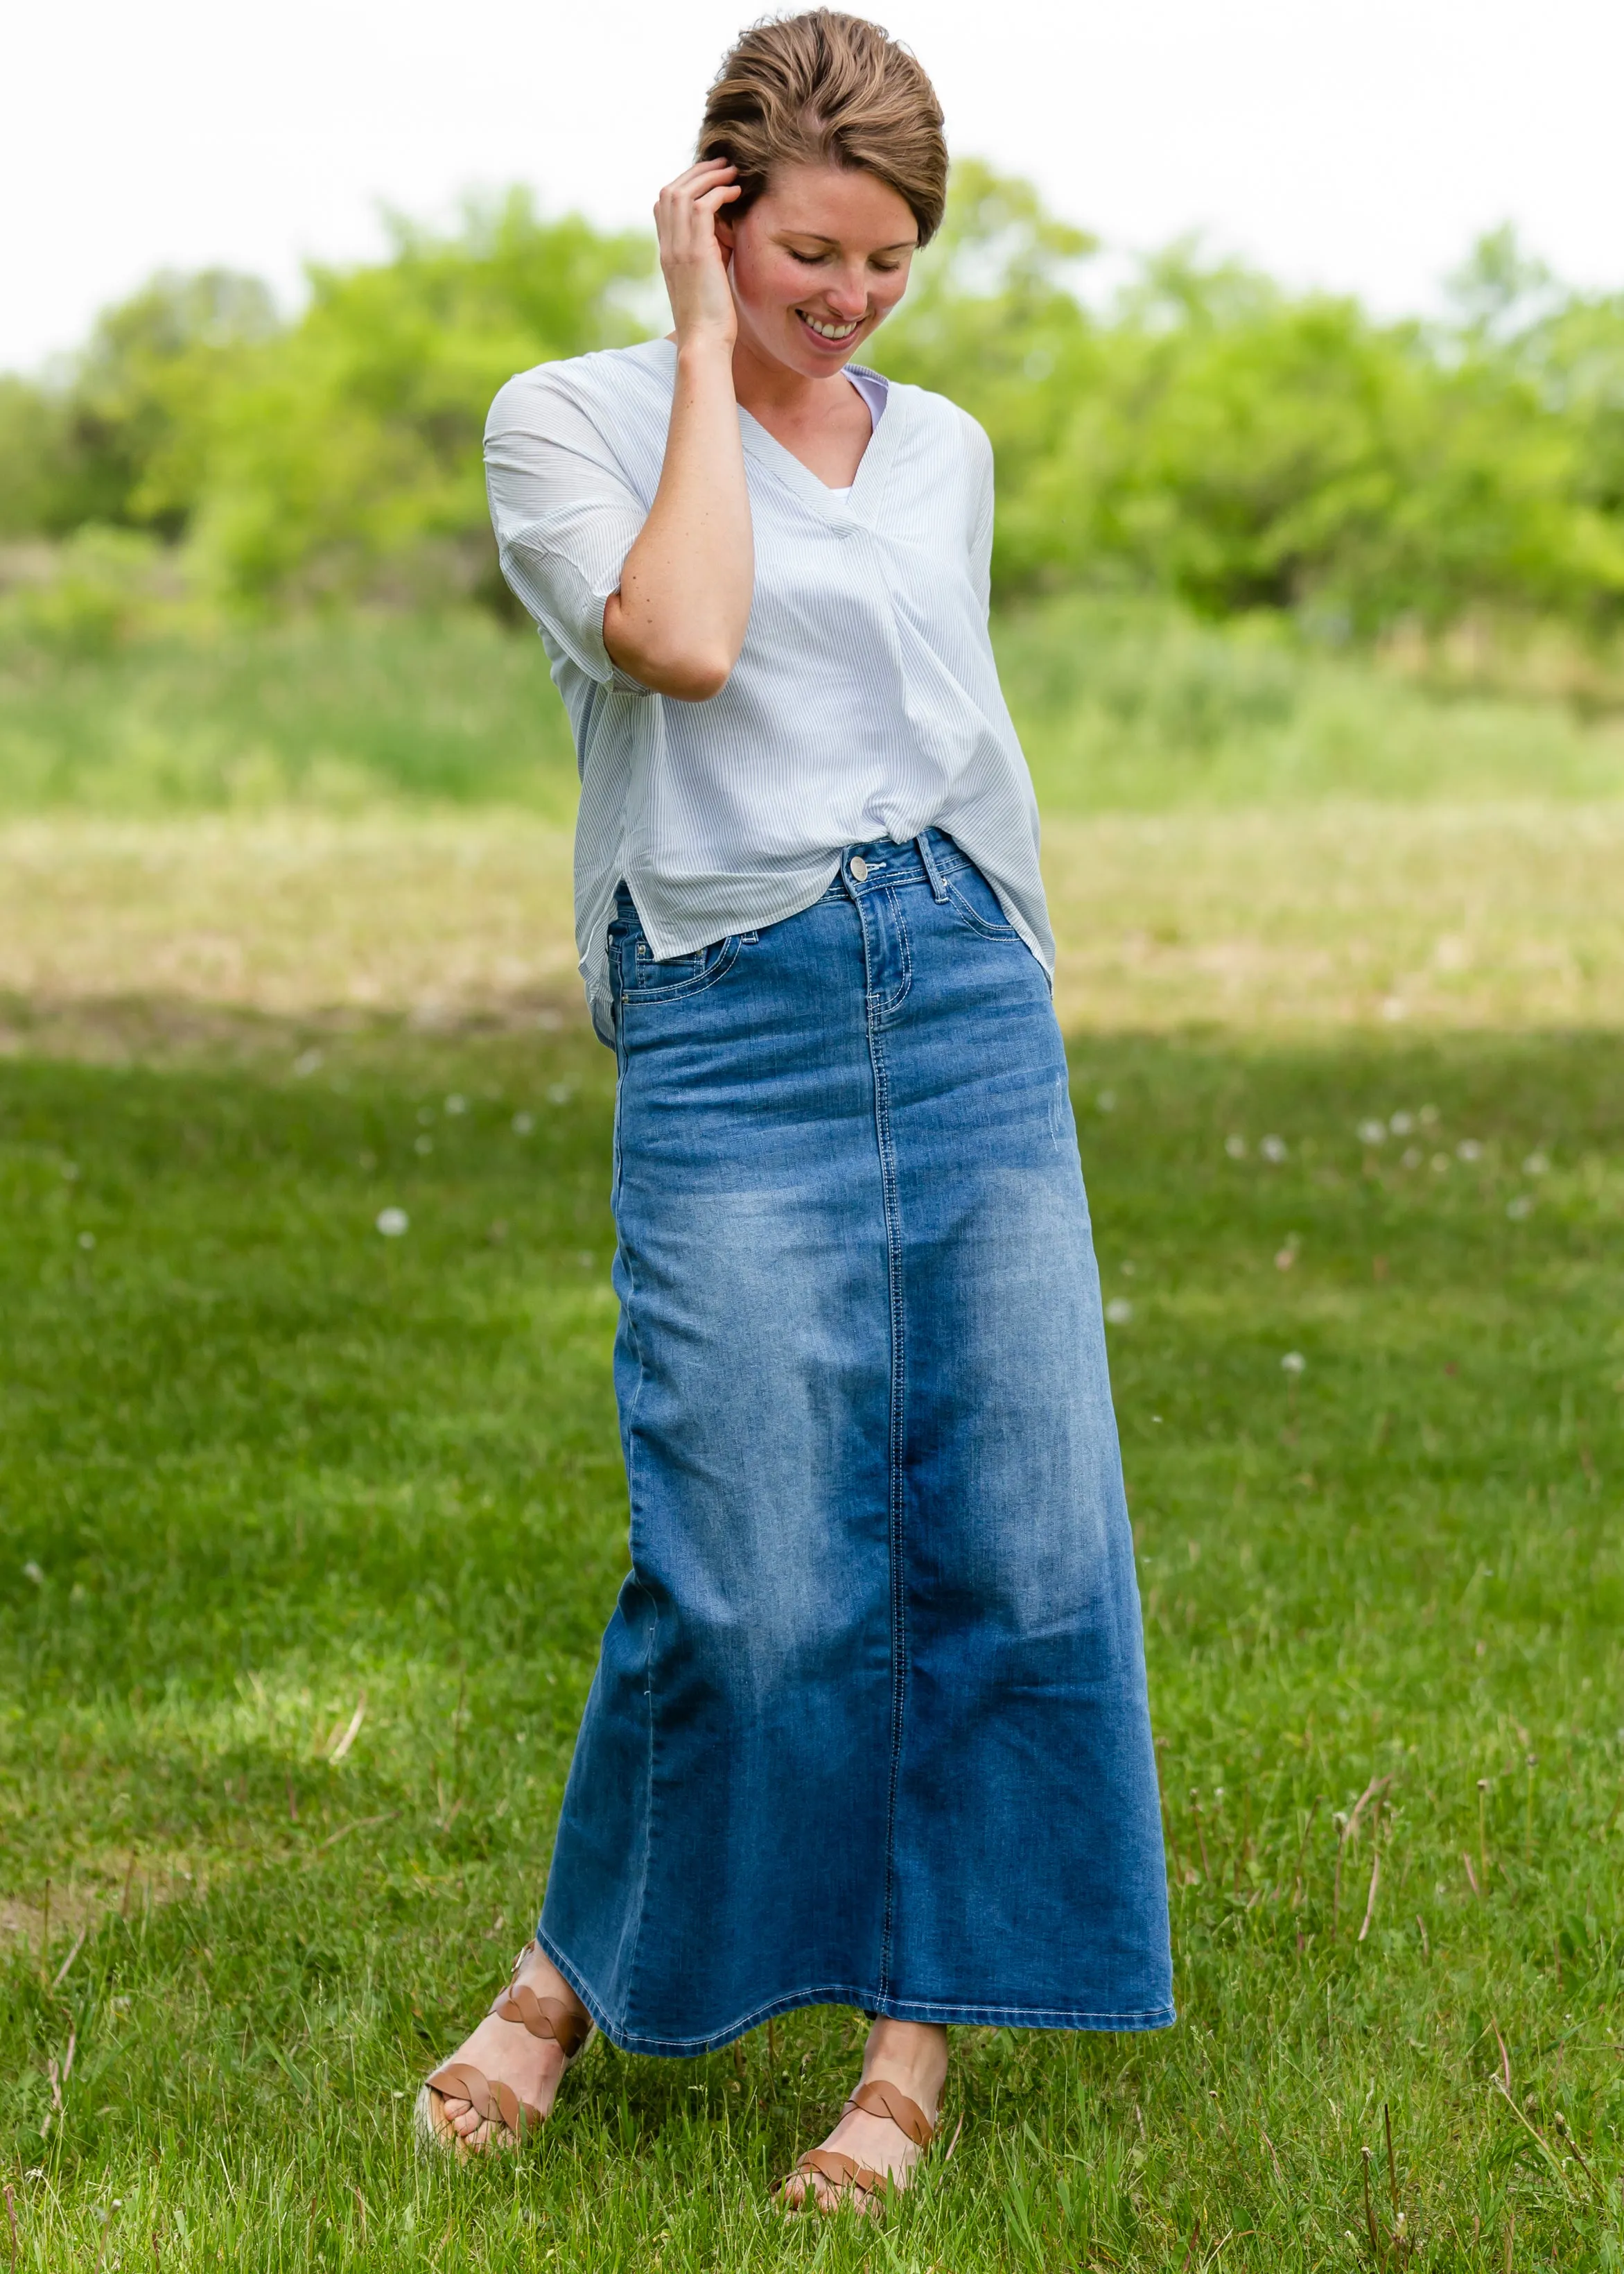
(509, 2053)
(911, 2057)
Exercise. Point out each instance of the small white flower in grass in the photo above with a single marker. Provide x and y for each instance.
(1373, 1133)
(1293, 1363)
(306, 1063)
(31, 1570)
(87, 1239)
(456, 1104)
(560, 1092)
(1537, 1165)
(424, 1145)
(1236, 1148)
(1106, 1100)
(1402, 1123)
(1119, 1310)
(1523, 1205)
(1274, 1148)
(523, 1123)
(1469, 1149)
(392, 1221)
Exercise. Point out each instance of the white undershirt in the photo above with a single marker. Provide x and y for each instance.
(873, 392)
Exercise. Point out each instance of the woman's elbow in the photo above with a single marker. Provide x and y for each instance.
(691, 674)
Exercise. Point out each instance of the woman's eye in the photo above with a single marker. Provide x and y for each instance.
(808, 260)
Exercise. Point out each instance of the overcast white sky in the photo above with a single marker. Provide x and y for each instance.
(1359, 146)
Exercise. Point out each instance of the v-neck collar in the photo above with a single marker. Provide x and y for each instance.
(769, 453)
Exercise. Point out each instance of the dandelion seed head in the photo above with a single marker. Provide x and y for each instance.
(1402, 1123)
(1106, 1100)
(425, 1145)
(1373, 1133)
(1428, 1117)
(306, 1063)
(456, 1104)
(1274, 1148)
(523, 1123)
(1119, 1310)
(1440, 1163)
(1236, 1148)
(392, 1221)
(1537, 1165)
(1293, 1363)
(560, 1092)
(31, 1570)
(1469, 1149)
(1521, 1206)
(87, 1239)
(1411, 1157)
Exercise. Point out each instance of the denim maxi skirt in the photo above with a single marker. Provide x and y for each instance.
(869, 1724)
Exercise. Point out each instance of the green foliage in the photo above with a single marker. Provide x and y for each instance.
(1218, 439)
(1206, 436)
(257, 1463)
(351, 453)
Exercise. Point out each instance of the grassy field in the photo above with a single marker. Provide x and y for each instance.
(308, 1533)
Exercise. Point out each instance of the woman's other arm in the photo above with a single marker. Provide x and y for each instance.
(678, 621)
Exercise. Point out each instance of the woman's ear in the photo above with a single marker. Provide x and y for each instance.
(724, 228)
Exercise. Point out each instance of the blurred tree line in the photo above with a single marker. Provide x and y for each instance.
(1208, 436)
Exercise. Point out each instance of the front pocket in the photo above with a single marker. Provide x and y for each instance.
(643, 980)
(973, 898)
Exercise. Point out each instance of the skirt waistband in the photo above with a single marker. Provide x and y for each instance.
(926, 859)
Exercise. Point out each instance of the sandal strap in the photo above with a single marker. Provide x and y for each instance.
(877, 2097)
(492, 2102)
(547, 2018)
(843, 2171)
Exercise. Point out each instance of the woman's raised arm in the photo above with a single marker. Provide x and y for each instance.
(678, 621)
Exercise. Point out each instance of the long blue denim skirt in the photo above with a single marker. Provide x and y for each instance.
(869, 1724)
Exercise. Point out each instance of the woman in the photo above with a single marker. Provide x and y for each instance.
(869, 1724)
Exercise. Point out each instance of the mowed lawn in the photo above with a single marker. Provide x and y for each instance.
(308, 1532)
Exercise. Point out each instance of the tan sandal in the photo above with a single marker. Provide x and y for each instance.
(850, 2181)
(547, 2018)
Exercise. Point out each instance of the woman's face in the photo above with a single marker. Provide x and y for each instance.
(820, 259)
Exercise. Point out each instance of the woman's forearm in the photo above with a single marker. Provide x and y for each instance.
(678, 621)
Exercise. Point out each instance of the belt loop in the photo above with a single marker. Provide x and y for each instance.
(927, 861)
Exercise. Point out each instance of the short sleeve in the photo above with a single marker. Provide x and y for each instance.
(564, 515)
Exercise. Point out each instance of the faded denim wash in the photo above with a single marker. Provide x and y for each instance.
(870, 1727)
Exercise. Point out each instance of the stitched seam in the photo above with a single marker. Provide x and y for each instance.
(887, 1010)
(866, 2000)
(979, 923)
(893, 1258)
(631, 1497)
(680, 988)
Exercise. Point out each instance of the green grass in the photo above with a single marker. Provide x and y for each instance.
(264, 1462)
(1122, 706)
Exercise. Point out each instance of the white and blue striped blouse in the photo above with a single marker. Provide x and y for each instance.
(865, 702)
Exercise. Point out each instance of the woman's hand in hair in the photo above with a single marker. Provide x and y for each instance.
(678, 620)
(695, 265)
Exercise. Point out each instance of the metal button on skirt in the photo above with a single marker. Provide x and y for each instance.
(869, 1723)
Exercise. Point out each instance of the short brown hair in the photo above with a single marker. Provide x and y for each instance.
(825, 89)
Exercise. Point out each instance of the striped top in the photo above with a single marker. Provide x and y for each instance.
(865, 702)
